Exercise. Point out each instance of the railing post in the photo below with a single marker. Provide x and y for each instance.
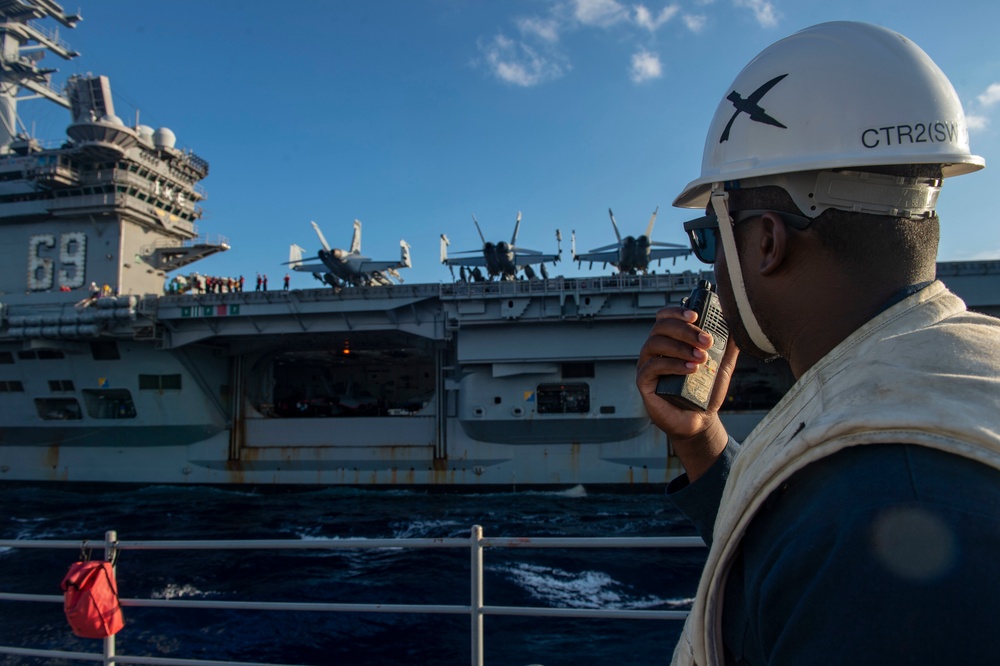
(110, 545)
(476, 601)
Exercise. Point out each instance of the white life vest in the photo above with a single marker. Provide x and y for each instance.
(924, 372)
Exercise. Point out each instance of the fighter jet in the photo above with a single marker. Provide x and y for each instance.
(631, 255)
(501, 260)
(338, 268)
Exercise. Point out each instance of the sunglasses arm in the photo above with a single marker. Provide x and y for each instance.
(720, 203)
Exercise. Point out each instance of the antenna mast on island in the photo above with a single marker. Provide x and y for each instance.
(23, 43)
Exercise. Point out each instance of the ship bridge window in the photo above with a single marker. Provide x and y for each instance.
(159, 382)
(109, 403)
(6, 358)
(563, 398)
(58, 409)
(577, 370)
(11, 386)
(61, 385)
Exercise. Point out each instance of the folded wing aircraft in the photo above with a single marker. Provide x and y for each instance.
(631, 255)
(339, 267)
(501, 260)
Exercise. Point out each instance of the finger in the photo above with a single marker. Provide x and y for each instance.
(648, 374)
(727, 367)
(676, 339)
(683, 314)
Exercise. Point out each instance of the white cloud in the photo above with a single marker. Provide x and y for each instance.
(518, 63)
(694, 22)
(976, 122)
(763, 11)
(601, 13)
(545, 29)
(645, 19)
(645, 66)
(991, 96)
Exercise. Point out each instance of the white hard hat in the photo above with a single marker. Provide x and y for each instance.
(840, 95)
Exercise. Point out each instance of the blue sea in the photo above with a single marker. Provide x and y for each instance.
(602, 578)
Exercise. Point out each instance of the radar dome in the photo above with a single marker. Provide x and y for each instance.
(145, 132)
(112, 119)
(164, 138)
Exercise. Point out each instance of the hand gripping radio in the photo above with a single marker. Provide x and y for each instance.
(692, 392)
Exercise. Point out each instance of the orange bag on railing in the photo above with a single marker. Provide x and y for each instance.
(90, 599)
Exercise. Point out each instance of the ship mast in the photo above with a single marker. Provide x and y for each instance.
(22, 46)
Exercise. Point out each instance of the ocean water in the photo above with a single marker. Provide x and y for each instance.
(601, 578)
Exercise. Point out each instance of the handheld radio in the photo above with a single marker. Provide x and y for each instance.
(692, 392)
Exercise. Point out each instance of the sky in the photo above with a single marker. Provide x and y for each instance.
(413, 116)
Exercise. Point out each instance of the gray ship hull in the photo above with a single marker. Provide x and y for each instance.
(509, 384)
(500, 384)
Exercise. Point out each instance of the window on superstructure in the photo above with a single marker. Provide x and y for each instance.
(109, 403)
(104, 350)
(58, 409)
(159, 382)
(563, 398)
(40, 354)
(61, 385)
(6, 358)
(11, 386)
(577, 370)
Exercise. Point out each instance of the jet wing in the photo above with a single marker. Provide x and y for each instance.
(602, 257)
(466, 261)
(311, 268)
(370, 266)
(525, 257)
(667, 250)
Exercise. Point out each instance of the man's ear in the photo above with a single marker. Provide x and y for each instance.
(772, 243)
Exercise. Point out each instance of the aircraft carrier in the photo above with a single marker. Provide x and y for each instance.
(105, 376)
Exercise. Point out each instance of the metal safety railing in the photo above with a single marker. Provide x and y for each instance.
(477, 609)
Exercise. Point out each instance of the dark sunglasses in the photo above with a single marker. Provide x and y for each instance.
(703, 232)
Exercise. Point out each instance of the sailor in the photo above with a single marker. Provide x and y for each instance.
(860, 521)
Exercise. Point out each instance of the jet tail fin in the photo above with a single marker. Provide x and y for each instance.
(517, 225)
(356, 239)
(615, 225)
(652, 221)
(476, 222)
(322, 239)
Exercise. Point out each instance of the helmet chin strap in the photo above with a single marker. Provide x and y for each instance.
(720, 203)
